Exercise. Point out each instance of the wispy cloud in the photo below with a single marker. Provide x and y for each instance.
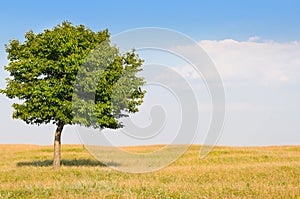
(254, 61)
(265, 62)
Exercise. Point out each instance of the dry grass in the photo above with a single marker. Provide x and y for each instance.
(252, 172)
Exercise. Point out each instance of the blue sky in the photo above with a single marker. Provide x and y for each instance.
(251, 42)
(206, 19)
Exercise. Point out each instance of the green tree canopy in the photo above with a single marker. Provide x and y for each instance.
(72, 75)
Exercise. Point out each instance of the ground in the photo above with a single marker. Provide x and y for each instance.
(227, 172)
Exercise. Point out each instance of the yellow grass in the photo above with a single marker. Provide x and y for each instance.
(227, 172)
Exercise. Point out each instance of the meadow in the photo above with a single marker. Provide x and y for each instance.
(227, 172)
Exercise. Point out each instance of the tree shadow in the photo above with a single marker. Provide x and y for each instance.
(68, 163)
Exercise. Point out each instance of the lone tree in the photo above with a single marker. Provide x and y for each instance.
(72, 75)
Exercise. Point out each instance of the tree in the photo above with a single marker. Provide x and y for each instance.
(72, 75)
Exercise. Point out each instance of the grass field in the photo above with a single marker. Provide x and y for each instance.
(252, 172)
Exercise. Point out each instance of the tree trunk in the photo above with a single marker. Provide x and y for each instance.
(57, 137)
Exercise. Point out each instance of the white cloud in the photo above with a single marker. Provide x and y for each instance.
(254, 39)
(264, 63)
(253, 61)
(187, 71)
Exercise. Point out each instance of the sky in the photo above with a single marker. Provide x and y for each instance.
(255, 46)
